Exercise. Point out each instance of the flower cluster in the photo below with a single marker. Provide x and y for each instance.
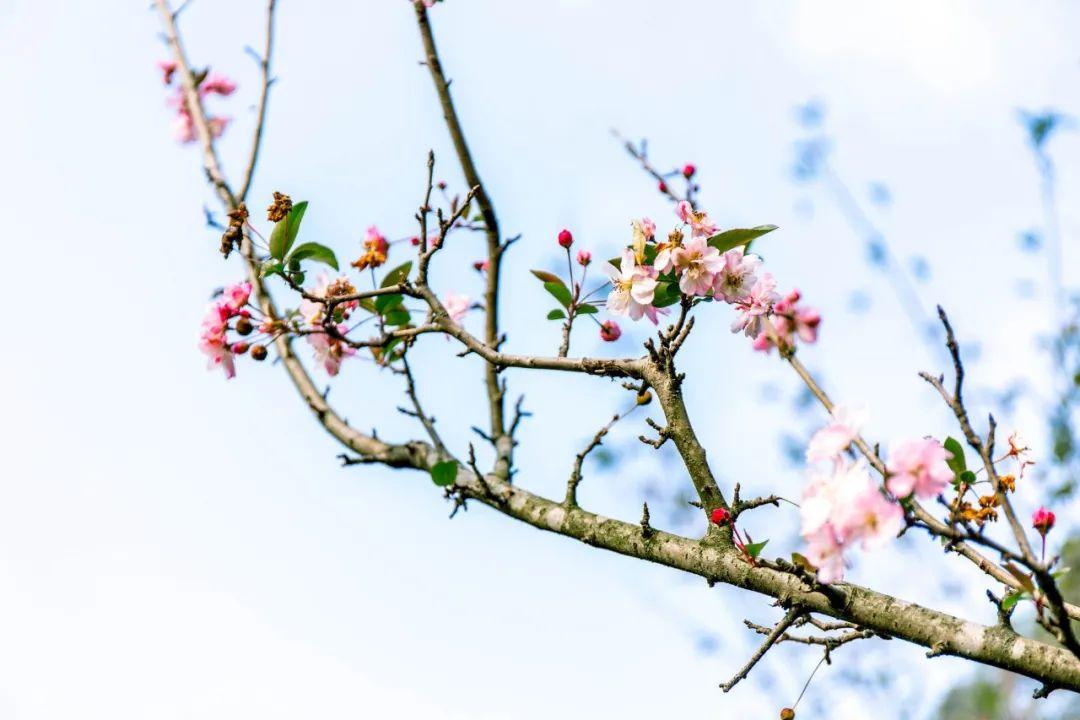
(229, 311)
(183, 126)
(330, 349)
(376, 248)
(843, 506)
(651, 274)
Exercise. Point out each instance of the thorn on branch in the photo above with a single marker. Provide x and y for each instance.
(646, 529)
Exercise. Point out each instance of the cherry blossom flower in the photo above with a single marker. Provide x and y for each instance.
(698, 264)
(456, 306)
(830, 441)
(1019, 449)
(330, 351)
(737, 275)
(217, 84)
(698, 221)
(584, 257)
(918, 466)
(212, 339)
(610, 331)
(752, 310)
(824, 550)
(236, 296)
(183, 127)
(632, 288)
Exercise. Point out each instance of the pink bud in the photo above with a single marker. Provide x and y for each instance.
(480, 266)
(441, 185)
(167, 68)
(584, 257)
(565, 238)
(610, 331)
(662, 186)
(1043, 520)
(688, 171)
(414, 240)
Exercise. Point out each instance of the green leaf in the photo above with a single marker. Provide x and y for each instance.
(443, 473)
(1011, 599)
(957, 463)
(399, 316)
(560, 292)
(754, 549)
(587, 309)
(967, 477)
(740, 236)
(556, 314)
(314, 251)
(546, 277)
(666, 294)
(273, 268)
(286, 230)
(384, 303)
(397, 275)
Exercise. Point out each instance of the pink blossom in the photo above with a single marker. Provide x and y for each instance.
(699, 221)
(331, 351)
(167, 68)
(183, 127)
(737, 275)
(698, 264)
(218, 84)
(456, 306)
(236, 296)
(648, 227)
(610, 331)
(918, 466)
(825, 552)
(584, 257)
(830, 441)
(212, 339)
(632, 288)
(752, 310)
(1043, 521)
(789, 321)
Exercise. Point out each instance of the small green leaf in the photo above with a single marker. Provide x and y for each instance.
(957, 463)
(967, 477)
(740, 236)
(383, 303)
(316, 252)
(666, 294)
(560, 292)
(443, 473)
(546, 277)
(1011, 599)
(285, 231)
(754, 549)
(556, 314)
(273, 268)
(400, 316)
(397, 275)
(800, 560)
(586, 309)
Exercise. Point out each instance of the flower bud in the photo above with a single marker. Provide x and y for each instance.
(239, 348)
(244, 326)
(644, 398)
(414, 241)
(441, 185)
(610, 331)
(720, 515)
(258, 353)
(565, 238)
(688, 170)
(584, 257)
(662, 186)
(480, 265)
(1043, 520)
(787, 714)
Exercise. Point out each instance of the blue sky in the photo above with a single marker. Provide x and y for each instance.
(175, 546)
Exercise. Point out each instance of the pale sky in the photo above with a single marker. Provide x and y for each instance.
(176, 546)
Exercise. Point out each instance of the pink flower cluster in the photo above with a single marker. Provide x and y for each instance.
(701, 270)
(843, 506)
(183, 126)
(213, 341)
(330, 351)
